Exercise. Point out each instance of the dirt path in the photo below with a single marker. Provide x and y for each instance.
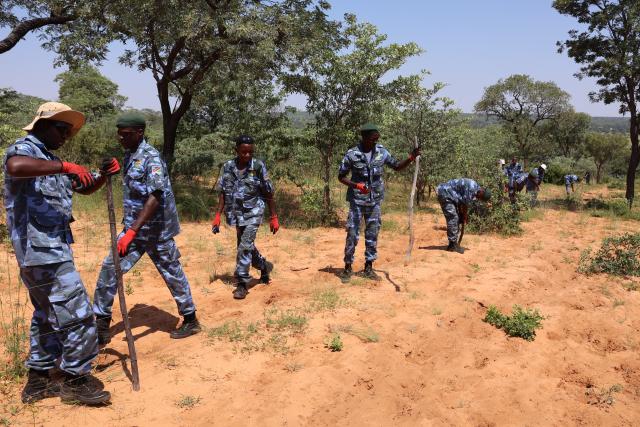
(420, 356)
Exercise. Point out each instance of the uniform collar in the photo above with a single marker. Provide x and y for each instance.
(141, 149)
(248, 168)
(373, 151)
(32, 138)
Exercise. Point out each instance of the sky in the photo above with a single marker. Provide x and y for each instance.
(468, 44)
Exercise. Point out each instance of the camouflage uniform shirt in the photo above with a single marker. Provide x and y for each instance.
(38, 209)
(370, 173)
(569, 179)
(145, 173)
(459, 191)
(244, 192)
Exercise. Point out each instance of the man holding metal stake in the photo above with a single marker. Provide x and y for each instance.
(38, 199)
(150, 224)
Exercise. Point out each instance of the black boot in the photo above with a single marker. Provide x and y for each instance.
(83, 389)
(345, 275)
(39, 386)
(102, 323)
(368, 271)
(241, 291)
(190, 326)
(264, 273)
(454, 247)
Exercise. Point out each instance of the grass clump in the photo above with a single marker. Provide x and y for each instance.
(617, 256)
(326, 300)
(188, 402)
(604, 396)
(289, 320)
(521, 323)
(334, 342)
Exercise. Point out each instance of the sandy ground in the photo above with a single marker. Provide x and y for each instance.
(416, 351)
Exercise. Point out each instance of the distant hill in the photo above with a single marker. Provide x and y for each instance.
(598, 124)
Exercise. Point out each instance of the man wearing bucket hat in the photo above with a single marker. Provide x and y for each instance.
(150, 224)
(366, 163)
(534, 180)
(38, 196)
(454, 197)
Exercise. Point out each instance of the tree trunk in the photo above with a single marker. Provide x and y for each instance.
(634, 160)
(170, 120)
(326, 177)
(598, 170)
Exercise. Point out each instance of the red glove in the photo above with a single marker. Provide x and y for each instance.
(86, 180)
(125, 241)
(274, 225)
(414, 154)
(109, 166)
(215, 224)
(362, 188)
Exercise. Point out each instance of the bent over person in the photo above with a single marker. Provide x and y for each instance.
(244, 185)
(150, 224)
(38, 198)
(454, 197)
(365, 162)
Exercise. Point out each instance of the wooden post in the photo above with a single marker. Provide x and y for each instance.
(410, 210)
(123, 303)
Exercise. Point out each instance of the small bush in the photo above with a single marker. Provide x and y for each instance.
(500, 216)
(617, 256)
(521, 323)
(618, 208)
(334, 343)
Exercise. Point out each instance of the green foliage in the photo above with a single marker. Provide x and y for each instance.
(522, 104)
(290, 320)
(567, 131)
(617, 255)
(327, 300)
(334, 342)
(604, 148)
(83, 88)
(612, 208)
(499, 215)
(521, 323)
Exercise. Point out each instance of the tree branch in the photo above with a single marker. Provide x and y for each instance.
(21, 30)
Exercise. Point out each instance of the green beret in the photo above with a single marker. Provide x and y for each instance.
(130, 119)
(368, 127)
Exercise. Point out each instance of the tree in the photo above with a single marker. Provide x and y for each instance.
(567, 131)
(521, 104)
(184, 43)
(49, 17)
(85, 89)
(605, 147)
(609, 51)
(344, 88)
(437, 126)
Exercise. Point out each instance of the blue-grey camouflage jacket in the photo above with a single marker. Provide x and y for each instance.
(370, 173)
(145, 173)
(569, 179)
(38, 209)
(459, 191)
(513, 169)
(244, 192)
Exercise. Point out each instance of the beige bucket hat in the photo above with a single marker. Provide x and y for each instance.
(59, 112)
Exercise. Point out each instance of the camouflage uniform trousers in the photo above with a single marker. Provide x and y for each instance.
(248, 255)
(450, 212)
(63, 325)
(373, 221)
(165, 256)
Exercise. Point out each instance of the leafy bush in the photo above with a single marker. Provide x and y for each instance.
(499, 216)
(617, 256)
(612, 208)
(334, 343)
(521, 323)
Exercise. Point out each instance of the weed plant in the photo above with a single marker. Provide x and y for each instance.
(617, 256)
(521, 323)
(334, 343)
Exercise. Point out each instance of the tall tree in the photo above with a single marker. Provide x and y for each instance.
(344, 87)
(608, 49)
(605, 147)
(85, 89)
(521, 104)
(567, 131)
(182, 42)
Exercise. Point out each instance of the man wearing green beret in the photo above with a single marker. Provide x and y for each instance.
(150, 224)
(365, 162)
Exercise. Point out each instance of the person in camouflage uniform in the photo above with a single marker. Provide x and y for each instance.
(150, 224)
(534, 180)
(243, 187)
(454, 197)
(38, 199)
(365, 162)
(568, 183)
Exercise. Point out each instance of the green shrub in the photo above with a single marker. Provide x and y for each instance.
(617, 256)
(499, 216)
(334, 343)
(521, 323)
